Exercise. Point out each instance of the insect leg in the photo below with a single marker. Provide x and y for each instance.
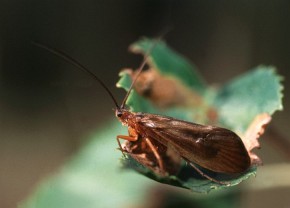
(128, 138)
(156, 154)
(206, 176)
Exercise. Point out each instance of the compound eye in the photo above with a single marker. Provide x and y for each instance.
(119, 114)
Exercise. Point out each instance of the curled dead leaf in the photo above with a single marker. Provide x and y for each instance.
(251, 136)
(164, 91)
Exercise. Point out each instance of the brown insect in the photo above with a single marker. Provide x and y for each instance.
(216, 149)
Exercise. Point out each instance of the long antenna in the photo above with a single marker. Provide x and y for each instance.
(74, 62)
(140, 69)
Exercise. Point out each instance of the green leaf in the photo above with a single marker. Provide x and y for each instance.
(93, 178)
(169, 62)
(237, 104)
(188, 178)
(239, 101)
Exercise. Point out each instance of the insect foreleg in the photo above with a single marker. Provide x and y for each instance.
(206, 176)
(156, 154)
(128, 138)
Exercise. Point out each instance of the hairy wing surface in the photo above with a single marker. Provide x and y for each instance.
(213, 148)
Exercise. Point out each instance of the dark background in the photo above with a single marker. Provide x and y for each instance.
(47, 108)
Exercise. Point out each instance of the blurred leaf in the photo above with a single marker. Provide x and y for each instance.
(169, 62)
(93, 178)
(140, 104)
(239, 101)
(237, 104)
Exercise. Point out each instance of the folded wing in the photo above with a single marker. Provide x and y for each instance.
(213, 148)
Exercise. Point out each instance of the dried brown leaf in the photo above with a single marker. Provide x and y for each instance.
(253, 133)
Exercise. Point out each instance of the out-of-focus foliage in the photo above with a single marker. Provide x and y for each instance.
(94, 177)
